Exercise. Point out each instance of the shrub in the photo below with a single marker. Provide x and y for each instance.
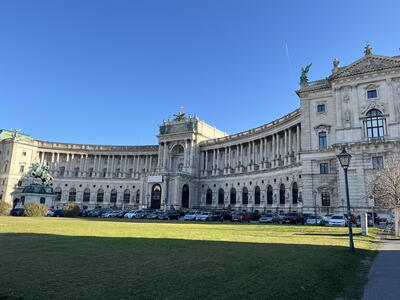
(5, 208)
(35, 209)
(71, 210)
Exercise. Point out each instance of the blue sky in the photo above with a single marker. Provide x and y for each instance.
(109, 72)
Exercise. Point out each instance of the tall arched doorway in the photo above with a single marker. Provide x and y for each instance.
(156, 196)
(185, 196)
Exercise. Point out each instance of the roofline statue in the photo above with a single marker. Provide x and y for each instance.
(41, 172)
(304, 73)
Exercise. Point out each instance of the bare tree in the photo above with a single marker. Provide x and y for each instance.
(385, 186)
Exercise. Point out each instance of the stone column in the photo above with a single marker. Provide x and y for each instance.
(165, 156)
(285, 148)
(273, 151)
(125, 166)
(278, 148)
(241, 157)
(289, 145)
(185, 154)
(225, 157)
(237, 158)
(206, 162)
(159, 156)
(298, 147)
(191, 156)
(81, 166)
(218, 160)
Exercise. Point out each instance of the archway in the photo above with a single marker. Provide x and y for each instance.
(156, 197)
(185, 196)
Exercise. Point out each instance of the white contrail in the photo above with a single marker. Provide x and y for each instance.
(288, 57)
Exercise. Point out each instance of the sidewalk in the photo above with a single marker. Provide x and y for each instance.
(384, 275)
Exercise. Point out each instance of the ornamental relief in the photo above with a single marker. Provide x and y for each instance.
(372, 105)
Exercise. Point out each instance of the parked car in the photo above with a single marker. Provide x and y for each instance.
(326, 218)
(58, 213)
(369, 220)
(292, 218)
(337, 220)
(106, 214)
(204, 216)
(142, 214)
(121, 214)
(314, 220)
(254, 216)
(266, 218)
(216, 216)
(130, 214)
(191, 216)
(17, 212)
(154, 215)
(50, 212)
(170, 215)
(241, 217)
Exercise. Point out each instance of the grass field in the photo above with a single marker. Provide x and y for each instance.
(51, 258)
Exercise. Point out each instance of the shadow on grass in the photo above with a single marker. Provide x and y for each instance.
(329, 234)
(44, 266)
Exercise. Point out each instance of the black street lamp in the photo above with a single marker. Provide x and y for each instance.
(344, 159)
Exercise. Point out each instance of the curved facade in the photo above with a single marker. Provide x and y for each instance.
(286, 165)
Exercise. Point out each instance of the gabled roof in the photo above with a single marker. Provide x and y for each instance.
(368, 63)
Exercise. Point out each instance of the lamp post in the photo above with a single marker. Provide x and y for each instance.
(315, 206)
(344, 159)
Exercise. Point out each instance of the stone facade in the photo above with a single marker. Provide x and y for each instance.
(286, 165)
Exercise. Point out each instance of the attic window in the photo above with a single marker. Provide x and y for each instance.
(371, 94)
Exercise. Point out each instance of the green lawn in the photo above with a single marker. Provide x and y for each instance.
(53, 258)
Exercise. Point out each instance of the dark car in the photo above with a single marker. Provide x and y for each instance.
(170, 215)
(121, 214)
(17, 212)
(216, 216)
(292, 218)
(241, 217)
(154, 215)
(254, 216)
(58, 213)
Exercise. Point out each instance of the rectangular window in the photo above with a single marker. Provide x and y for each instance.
(321, 108)
(22, 169)
(42, 200)
(24, 153)
(90, 172)
(372, 94)
(323, 168)
(377, 162)
(322, 140)
(325, 199)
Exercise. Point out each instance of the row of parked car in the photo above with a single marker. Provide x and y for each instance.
(238, 216)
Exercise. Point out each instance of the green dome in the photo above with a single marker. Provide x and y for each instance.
(35, 188)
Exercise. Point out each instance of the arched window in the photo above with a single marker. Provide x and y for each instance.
(233, 196)
(86, 195)
(295, 193)
(58, 193)
(127, 196)
(282, 196)
(245, 196)
(221, 194)
(137, 196)
(100, 195)
(325, 199)
(72, 195)
(374, 121)
(270, 195)
(113, 196)
(209, 197)
(257, 195)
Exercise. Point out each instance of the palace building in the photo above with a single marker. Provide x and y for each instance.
(289, 164)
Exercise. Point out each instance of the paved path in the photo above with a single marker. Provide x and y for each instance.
(384, 275)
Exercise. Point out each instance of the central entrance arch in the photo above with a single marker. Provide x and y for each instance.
(156, 196)
(185, 196)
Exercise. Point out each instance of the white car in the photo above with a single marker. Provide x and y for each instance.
(50, 213)
(130, 215)
(205, 216)
(191, 216)
(325, 219)
(107, 214)
(337, 220)
(312, 220)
